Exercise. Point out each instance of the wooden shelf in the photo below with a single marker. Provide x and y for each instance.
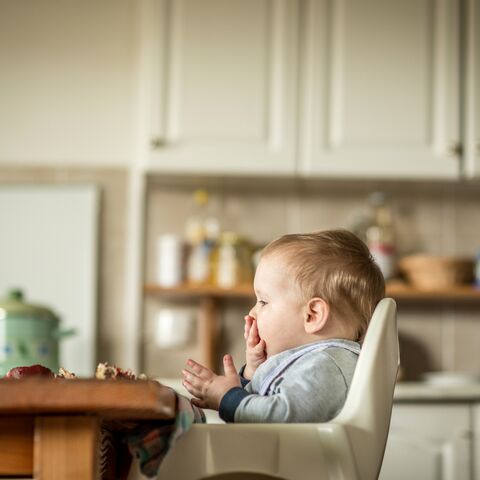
(242, 291)
(209, 298)
(396, 290)
(402, 291)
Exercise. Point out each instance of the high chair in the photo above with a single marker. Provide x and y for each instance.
(350, 446)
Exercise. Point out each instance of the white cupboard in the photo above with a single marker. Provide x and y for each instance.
(429, 442)
(476, 441)
(471, 89)
(221, 83)
(380, 89)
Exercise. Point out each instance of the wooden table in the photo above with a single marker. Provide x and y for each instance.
(50, 429)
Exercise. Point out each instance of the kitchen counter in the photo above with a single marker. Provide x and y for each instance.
(406, 392)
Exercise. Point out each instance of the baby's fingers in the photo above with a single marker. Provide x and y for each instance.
(248, 326)
(189, 387)
(198, 403)
(260, 347)
(200, 370)
(253, 337)
(194, 384)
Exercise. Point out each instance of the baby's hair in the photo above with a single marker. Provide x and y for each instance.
(336, 266)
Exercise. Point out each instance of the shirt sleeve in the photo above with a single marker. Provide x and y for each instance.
(243, 380)
(314, 389)
(230, 402)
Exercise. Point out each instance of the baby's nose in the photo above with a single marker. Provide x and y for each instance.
(252, 312)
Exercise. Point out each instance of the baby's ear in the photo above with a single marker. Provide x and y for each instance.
(318, 312)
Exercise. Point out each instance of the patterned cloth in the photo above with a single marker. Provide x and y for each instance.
(151, 441)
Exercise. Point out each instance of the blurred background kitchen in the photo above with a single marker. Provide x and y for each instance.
(148, 150)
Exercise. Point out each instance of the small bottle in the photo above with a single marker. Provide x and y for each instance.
(234, 261)
(195, 223)
(227, 261)
(198, 264)
(380, 236)
(202, 230)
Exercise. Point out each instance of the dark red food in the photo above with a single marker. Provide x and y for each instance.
(30, 371)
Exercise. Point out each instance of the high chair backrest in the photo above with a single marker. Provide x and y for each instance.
(367, 410)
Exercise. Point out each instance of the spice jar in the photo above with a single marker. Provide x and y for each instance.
(233, 263)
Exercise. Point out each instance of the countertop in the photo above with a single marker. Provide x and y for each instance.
(406, 392)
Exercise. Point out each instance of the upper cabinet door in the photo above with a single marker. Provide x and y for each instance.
(380, 87)
(472, 88)
(221, 77)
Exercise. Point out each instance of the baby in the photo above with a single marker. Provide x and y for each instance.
(315, 295)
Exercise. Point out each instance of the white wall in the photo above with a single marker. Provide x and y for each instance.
(66, 82)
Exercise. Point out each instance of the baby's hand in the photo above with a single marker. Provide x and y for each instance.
(207, 387)
(255, 352)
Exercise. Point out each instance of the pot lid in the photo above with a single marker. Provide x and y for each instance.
(14, 305)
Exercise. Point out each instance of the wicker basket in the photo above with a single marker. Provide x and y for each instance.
(432, 272)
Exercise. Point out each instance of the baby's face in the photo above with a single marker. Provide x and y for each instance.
(279, 309)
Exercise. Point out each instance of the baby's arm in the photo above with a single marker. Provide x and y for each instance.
(312, 393)
(255, 347)
(207, 387)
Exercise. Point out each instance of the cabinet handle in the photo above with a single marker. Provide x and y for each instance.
(478, 148)
(157, 142)
(455, 149)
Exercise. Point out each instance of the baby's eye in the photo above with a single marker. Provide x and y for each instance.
(262, 303)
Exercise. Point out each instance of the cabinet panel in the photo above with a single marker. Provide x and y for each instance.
(471, 17)
(224, 85)
(476, 441)
(205, 107)
(380, 88)
(429, 442)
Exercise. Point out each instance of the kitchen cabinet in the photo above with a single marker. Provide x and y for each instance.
(429, 442)
(379, 92)
(476, 440)
(471, 89)
(221, 85)
(380, 89)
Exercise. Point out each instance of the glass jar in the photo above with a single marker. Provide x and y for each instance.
(233, 262)
(380, 236)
